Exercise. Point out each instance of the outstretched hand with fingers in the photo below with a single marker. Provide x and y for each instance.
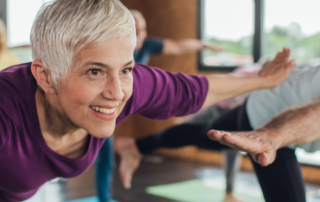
(278, 69)
(258, 144)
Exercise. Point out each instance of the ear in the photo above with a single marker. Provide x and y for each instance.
(43, 77)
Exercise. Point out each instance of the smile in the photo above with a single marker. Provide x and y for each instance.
(103, 110)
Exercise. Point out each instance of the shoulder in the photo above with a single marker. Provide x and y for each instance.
(15, 82)
(152, 41)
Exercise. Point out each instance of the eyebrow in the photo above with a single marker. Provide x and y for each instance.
(105, 65)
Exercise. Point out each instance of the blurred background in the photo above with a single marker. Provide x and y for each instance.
(249, 31)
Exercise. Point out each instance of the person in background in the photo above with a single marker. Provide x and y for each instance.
(145, 47)
(193, 131)
(6, 57)
(279, 120)
(56, 112)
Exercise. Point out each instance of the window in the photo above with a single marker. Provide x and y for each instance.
(296, 28)
(20, 16)
(224, 24)
(235, 25)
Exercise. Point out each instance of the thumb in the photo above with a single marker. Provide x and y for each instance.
(266, 158)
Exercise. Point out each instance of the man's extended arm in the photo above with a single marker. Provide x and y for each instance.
(177, 47)
(222, 87)
(297, 125)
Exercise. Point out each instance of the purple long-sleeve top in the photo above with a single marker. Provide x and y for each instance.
(26, 161)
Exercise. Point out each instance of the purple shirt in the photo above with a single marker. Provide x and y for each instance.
(26, 161)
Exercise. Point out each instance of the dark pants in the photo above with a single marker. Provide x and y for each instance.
(280, 182)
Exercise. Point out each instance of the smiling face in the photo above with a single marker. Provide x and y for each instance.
(99, 85)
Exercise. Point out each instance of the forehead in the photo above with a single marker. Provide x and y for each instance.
(113, 51)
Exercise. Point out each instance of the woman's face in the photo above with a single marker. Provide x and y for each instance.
(99, 85)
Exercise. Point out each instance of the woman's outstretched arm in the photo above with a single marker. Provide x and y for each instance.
(222, 87)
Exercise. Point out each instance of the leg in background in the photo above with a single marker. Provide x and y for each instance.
(104, 170)
(173, 137)
(232, 162)
(282, 180)
(189, 134)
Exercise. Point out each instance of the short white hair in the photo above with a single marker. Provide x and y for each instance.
(63, 27)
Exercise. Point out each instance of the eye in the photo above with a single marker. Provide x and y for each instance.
(127, 70)
(95, 72)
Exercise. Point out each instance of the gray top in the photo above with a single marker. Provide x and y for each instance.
(302, 86)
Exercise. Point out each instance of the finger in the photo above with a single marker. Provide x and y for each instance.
(215, 135)
(263, 159)
(281, 56)
(287, 54)
(238, 142)
(277, 57)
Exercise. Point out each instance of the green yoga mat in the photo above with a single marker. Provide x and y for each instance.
(89, 199)
(195, 191)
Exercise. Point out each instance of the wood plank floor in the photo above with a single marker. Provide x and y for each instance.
(149, 173)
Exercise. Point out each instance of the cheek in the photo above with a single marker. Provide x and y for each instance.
(127, 87)
(78, 94)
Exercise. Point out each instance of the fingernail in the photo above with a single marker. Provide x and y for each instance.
(218, 131)
(228, 134)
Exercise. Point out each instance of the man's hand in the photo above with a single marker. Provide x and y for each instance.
(277, 70)
(260, 145)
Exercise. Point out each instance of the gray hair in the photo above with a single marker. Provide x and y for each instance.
(63, 27)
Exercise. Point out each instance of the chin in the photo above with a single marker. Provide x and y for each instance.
(102, 132)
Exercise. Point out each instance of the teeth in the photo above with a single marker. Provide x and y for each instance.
(103, 110)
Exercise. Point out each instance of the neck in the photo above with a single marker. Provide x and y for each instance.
(52, 119)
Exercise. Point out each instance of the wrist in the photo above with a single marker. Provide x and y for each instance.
(259, 83)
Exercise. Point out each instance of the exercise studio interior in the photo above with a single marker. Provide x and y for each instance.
(159, 100)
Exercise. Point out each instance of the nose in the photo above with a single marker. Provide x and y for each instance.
(113, 90)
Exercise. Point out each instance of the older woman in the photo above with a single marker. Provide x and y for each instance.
(56, 112)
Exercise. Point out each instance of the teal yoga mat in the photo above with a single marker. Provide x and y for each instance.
(89, 199)
(195, 191)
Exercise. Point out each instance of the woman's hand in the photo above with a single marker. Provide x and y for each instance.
(277, 70)
(259, 144)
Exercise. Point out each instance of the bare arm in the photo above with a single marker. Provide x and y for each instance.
(298, 125)
(176, 47)
(222, 87)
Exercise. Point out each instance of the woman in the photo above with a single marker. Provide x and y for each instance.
(56, 112)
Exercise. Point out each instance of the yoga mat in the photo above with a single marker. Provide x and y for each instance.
(195, 191)
(89, 199)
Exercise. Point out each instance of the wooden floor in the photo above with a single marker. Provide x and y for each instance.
(150, 173)
(153, 171)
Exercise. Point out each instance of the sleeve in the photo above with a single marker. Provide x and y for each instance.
(159, 94)
(4, 129)
(154, 45)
